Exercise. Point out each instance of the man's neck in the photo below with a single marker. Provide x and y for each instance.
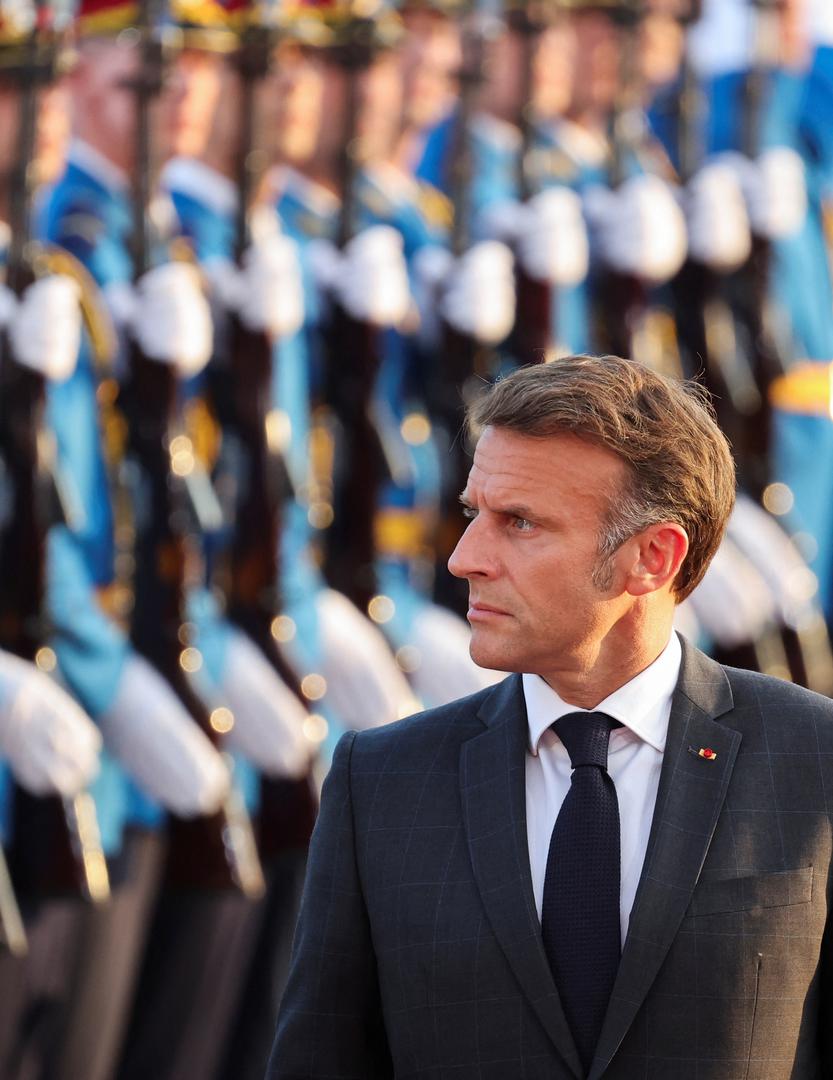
(325, 172)
(408, 150)
(590, 677)
(221, 159)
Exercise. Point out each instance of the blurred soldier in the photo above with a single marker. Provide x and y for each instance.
(524, 79)
(144, 725)
(819, 88)
(45, 750)
(753, 61)
(48, 745)
(636, 227)
(92, 214)
(368, 281)
(257, 297)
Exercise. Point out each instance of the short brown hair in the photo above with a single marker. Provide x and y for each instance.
(680, 465)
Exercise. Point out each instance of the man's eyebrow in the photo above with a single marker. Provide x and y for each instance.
(519, 510)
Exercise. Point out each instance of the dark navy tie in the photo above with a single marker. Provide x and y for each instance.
(580, 911)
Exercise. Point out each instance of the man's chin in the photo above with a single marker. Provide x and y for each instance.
(488, 654)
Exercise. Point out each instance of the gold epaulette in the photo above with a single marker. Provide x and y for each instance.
(549, 163)
(400, 533)
(435, 206)
(376, 202)
(805, 389)
(51, 259)
(204, 431)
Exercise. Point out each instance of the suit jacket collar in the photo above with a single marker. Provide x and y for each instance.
(691, 793)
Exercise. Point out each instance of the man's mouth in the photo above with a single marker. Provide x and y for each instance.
(479, 610)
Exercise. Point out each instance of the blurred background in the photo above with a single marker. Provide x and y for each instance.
(256, 258)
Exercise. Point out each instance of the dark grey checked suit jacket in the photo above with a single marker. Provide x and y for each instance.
(418, 952)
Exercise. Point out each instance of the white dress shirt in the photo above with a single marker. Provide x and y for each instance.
(643, 706)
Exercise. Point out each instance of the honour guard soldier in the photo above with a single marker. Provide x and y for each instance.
(49, 747)
(93, 213)
(754, 95)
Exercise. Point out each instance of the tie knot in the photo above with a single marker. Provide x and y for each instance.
(586, 736)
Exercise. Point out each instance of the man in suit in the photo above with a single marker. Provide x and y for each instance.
(615, 863)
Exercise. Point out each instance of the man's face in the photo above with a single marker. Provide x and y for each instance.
(431, 59)
(51, 133)
(554, 70)
(379, 104)
(530, 552)
(502, 94)
(188, 102)
(293, 96)
(104, 97)
(661, 44)
(596, 83)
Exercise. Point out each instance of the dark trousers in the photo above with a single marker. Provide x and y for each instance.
(191, 979)
(35, 988)
(65, 1003)
(251, 1038)
(111, 943)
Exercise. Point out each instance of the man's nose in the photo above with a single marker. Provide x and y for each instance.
(469, 557)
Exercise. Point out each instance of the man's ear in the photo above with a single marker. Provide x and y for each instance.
(657, 555)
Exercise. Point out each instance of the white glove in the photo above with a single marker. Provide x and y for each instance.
(8, 306)
(775, 189)
(152, 735)
(364, 686)
(718, 224)
(372, 278)
(50, 743)
(552, 242)
(431, 266)
(776, 558)
(444, 669)
(268, 718)
(479, 298)
(172, 319)
(503, 220)
(267, 292)
(640, 228)
(732, 602)
(45, 325)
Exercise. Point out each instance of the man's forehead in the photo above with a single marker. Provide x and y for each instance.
(542, 467)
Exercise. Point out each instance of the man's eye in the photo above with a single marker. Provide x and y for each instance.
(522, 524)
(469, 512)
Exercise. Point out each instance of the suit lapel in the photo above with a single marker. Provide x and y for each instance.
(492, 785)
(691, 793)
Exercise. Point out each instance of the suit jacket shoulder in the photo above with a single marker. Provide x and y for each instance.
(449, 724)
(779, 714)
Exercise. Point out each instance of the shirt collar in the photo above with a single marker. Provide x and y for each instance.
(202, 183)
(100, 168)
(638, 704)
(286, 180)
(585, 147)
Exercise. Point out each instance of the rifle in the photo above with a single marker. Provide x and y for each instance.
(354, 358)
(217, 850)
(465, 365)
(56, 846)
(705, 322)
(748, 288)
(254, 594)
(532, 337)
(625, 297)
